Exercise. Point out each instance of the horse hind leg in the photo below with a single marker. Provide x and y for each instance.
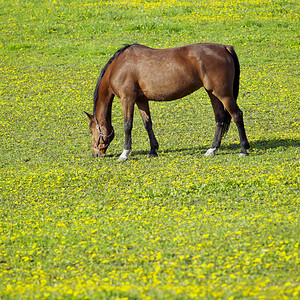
(237, 115)
(238, 119)
(223, 119)
(143, 106)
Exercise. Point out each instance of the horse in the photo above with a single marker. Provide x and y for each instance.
(137, 74)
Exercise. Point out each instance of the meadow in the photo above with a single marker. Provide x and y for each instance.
(179, 226)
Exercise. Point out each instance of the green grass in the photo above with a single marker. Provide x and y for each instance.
(176, 227)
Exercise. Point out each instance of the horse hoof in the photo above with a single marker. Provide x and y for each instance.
(243, 154)
(121, 158)
(210, 152)
(125, 155)
(150, 155)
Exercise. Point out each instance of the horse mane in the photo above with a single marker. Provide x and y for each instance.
(118, 52)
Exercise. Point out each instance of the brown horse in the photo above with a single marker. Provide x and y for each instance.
(137, 74)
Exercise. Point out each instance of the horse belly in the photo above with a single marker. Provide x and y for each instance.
(165, 87)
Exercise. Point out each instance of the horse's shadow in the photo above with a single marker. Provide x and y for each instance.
(259, 145)
(269, 144)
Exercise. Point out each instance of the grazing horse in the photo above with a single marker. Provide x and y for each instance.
(137, 74)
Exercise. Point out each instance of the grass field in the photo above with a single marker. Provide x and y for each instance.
(180, 226)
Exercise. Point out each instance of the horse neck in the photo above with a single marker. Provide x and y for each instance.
(103, 109)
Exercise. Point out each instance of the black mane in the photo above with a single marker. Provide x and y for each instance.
(103, 71)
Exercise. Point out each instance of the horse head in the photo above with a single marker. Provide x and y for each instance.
(100, 142)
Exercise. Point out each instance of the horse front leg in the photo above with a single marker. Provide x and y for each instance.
(128, 109)
(144, 110)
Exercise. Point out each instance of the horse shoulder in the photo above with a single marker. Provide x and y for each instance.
(122, 76)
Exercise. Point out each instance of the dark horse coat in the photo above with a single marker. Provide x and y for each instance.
(137, 74)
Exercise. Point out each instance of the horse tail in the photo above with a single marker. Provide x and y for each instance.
(226, 123)
(236, 86)
(236, 81)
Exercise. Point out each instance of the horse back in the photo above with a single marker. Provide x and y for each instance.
(168, 74)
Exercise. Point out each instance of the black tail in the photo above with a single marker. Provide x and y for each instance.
(236, 82)
(236, 87)
(226, 123)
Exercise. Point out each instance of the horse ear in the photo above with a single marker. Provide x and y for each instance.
(91, 117)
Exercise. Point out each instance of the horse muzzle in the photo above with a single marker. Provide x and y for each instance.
(99, 152)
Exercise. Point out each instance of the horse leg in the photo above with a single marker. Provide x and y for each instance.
(143, 106)
(128, 109)
(222, 118)
(237, 115)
